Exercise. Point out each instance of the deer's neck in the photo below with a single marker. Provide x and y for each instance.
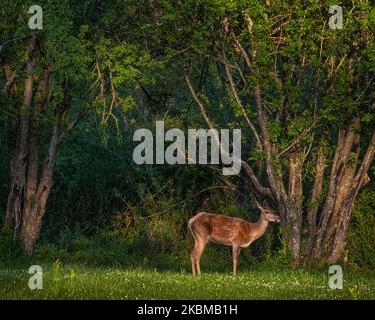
(259, 227)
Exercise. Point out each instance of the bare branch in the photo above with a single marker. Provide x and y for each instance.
(295, 142)
(199, 102)
(235, 94)
(258, 188)
(72, 125)
(100, 77)
(275, 183)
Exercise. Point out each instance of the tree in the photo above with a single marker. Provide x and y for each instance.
(303, 92)
(53, 78)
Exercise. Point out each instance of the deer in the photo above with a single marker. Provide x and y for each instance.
(231, 231)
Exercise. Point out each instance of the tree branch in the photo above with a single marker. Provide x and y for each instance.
(235, 94)
(199, 102)
(258, 188)
(71, 126)
(10, 76)
(276, 186)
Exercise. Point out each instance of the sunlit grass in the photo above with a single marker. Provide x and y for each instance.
(79, 282)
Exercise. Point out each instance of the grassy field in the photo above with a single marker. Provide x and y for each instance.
(79, 282)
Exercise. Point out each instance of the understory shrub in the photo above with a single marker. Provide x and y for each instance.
(361, 234)
(10, 249)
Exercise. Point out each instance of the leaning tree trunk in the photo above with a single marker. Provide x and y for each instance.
(295, 195)
(18, 163)
(345, 181)
(343, 148)
(343, 189)
(315, 197)
(33, 206)
(359, 181)
(36, 207)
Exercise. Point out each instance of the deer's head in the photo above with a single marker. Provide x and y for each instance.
(267, 213)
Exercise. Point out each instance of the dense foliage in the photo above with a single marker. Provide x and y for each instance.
(302, 94)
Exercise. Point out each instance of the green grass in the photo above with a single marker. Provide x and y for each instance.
(82, 282)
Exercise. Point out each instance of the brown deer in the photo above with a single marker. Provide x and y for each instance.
(230, 231)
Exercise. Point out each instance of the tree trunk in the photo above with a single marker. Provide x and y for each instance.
(344, 185)
(343, 148)
(27, 197)
(342, 194)
(314, 201)
(295, 195)
(29, 190)
(358, 182)
(35, 202)
(35, 211)
(18, 163)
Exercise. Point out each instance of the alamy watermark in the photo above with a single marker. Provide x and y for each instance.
(175, 153)
(335, 277)
(336, 21)
(36, 20)
(36, 278)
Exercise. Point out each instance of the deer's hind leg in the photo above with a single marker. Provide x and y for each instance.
(193, 253)
(193, 261)
(200, 245)
(196, 253)
(201, 232)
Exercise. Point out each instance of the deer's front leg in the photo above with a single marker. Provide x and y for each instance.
(235, 252)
